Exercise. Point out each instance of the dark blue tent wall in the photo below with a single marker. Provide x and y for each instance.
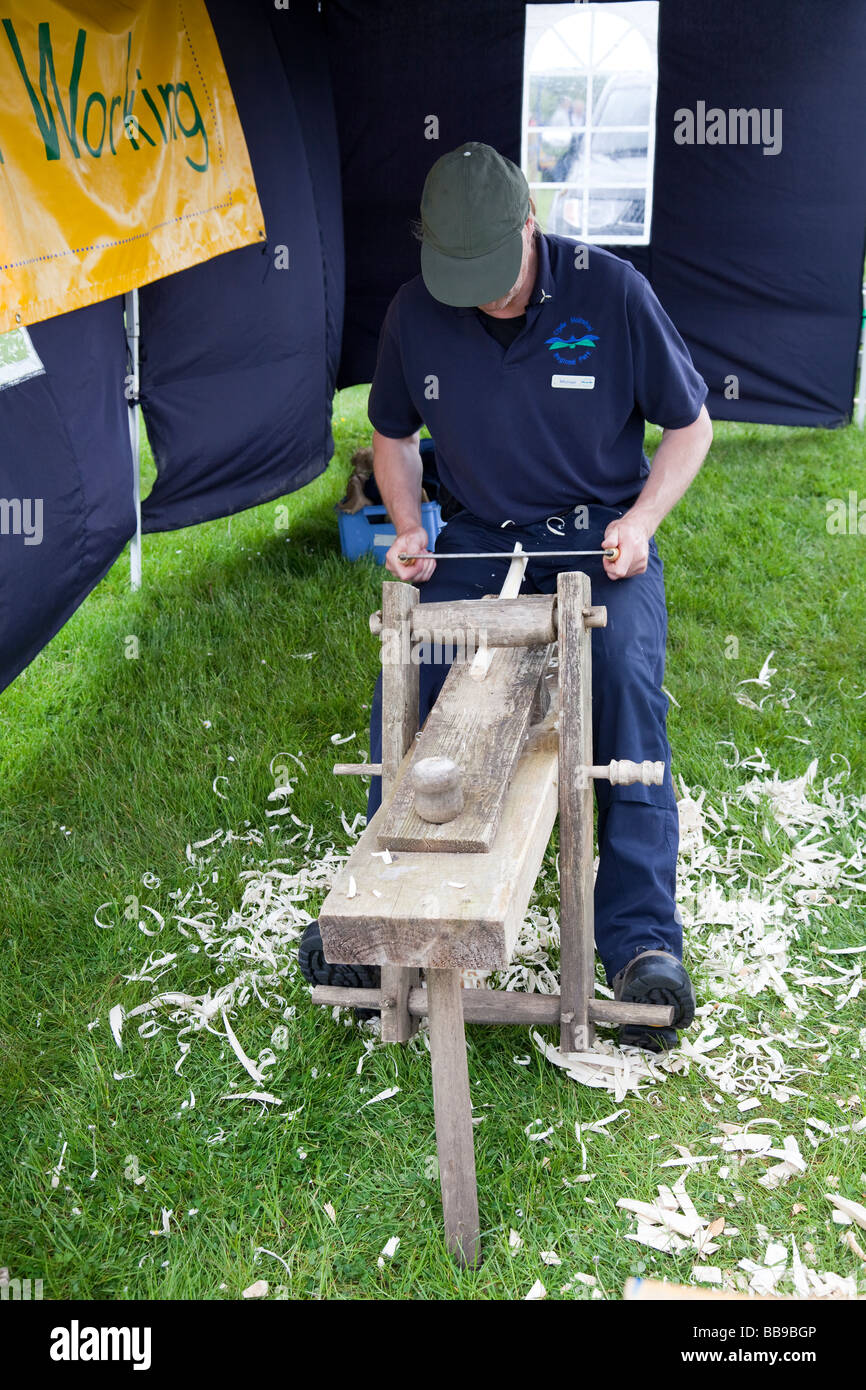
(239, 356)
(64, 440)
(757, 258)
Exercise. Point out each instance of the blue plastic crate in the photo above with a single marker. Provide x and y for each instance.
(369, 531)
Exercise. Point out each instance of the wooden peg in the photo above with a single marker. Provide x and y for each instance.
(438, 786)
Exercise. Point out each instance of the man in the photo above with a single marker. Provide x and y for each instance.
(535, 362)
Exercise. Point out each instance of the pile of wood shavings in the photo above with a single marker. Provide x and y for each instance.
(741, 936)
(742, 933)
(254, 949)
(671, 1225)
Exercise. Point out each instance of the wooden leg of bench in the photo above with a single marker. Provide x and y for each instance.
(400, 684)
(398, 1024)
(576, 917)
(453, 1109)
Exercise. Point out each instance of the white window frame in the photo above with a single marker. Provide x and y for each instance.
(558, 13)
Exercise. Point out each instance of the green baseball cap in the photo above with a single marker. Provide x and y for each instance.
(473, 208)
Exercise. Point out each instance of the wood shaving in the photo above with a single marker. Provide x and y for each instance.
(264, 1096)
(257, 1290)
(854, 1246)
(853, 1211)
(383, 1095)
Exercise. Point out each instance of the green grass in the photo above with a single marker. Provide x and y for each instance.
(107, 770)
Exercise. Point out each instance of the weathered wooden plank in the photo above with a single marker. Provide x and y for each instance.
(436, 910)
(481, 727)
(453, 1111)
(400, 682)
(576, 920)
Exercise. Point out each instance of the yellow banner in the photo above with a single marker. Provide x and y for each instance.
(122, 158)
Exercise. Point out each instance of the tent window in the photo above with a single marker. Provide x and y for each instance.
(590, 76)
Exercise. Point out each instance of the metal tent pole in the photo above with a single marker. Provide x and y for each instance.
(132, 386)
(861, 398)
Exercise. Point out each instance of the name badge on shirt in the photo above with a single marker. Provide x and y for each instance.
(573, 383)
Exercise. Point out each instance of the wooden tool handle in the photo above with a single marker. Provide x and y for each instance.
(624, 773)
(612, 553)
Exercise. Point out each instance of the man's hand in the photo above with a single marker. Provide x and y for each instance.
(632, 537)
(410, 542)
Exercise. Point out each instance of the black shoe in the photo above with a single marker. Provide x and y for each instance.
(655, 977)
(650, 1039)
(317, 971)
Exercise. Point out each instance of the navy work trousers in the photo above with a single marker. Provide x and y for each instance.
(637, 826)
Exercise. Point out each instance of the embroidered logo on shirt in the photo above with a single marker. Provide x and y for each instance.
(566, 339)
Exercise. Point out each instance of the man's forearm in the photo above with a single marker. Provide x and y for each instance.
(675, 464)
(397, 466)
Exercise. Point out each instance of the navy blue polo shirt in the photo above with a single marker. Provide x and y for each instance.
(557, 418)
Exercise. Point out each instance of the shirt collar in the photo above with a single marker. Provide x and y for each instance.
(543, 290)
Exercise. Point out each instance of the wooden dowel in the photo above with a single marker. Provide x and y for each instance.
(347, 998)
(625, 772)
(529, 621)
(612, 1011)
(357, 769)
(497, 1006)
(501, 1006)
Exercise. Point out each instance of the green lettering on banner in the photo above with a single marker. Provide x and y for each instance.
(95, 150)
(196, 129)
(115, 101)
(52, 114)
(45, 118)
